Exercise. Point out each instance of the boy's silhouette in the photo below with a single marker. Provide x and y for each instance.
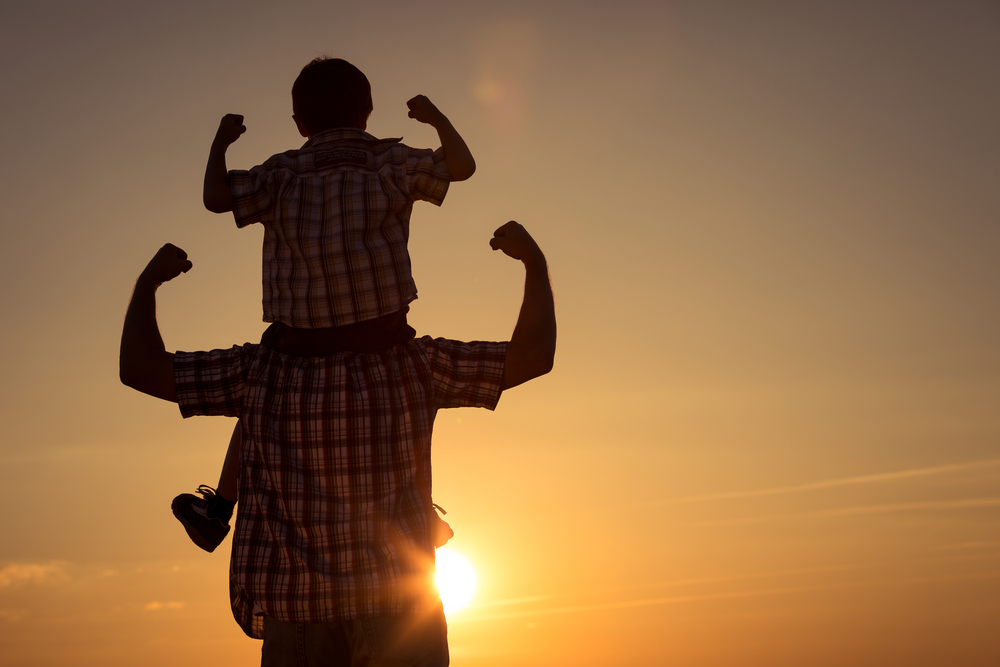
(336, 271)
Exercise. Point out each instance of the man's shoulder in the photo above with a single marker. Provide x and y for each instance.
(464, 373)
(459, 349)
(244, 351)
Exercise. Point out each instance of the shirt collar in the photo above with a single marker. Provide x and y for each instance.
(345, 134)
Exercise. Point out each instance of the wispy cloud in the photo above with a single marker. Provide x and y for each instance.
(728, 579)
(930, 505)
(625, 604)
(728, 595)
(38, 573)
(157, 606)
(843, 481)
(968, 546)
(513, 601)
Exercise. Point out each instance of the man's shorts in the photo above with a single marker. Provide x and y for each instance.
(388, 641)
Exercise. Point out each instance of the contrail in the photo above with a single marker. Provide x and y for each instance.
(831, 483)
(513, 601)
(864, 509)
(743, 577)
(603, 606)
(607, 606)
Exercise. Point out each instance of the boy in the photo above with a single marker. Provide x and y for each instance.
(336, 271)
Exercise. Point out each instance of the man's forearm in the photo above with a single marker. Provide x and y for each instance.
(144, 363)
(217, 195)
(532, 346)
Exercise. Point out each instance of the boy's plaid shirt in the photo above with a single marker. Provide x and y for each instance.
(335, 470)
(336, 216)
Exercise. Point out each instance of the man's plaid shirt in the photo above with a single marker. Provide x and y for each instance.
(335, 474)
(336, 216)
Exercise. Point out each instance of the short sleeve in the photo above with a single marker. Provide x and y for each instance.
(466, 375)
(211, 383)
(254, 195)
(427, 175)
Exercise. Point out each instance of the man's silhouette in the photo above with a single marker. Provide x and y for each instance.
(333, 556)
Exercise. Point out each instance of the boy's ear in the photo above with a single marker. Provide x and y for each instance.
(302, 127)
(362, 124)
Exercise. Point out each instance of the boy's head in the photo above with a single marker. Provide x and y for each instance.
(329, 93)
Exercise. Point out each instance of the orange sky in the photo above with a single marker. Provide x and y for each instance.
(771, 437)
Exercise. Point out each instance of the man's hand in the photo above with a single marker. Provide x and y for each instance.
(168, 263)
(230, 129)
(516, 242)
(423, 109)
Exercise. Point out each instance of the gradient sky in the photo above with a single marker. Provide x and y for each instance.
(772, 435)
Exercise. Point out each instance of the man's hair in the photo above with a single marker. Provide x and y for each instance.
(329, 93)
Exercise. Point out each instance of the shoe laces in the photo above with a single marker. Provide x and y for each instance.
(207, 492)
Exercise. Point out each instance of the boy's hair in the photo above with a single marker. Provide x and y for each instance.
(329, 93)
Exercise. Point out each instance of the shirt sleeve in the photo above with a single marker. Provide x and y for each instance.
(211, 383)
(254, 194)
(427, 175)
(466, 375)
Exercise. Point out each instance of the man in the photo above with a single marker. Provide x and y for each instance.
(332, 561)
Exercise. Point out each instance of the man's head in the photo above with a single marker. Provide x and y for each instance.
(329, 93)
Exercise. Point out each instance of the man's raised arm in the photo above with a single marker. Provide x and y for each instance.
(144, 363)
(532, 346)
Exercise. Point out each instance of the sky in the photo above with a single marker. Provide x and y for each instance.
(771, 436)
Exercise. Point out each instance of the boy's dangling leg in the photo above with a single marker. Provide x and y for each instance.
(226, 493)
(206, 519)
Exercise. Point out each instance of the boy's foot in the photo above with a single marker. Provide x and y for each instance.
(204, 530)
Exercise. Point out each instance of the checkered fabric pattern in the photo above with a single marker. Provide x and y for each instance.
(335, 474)
(336, 216)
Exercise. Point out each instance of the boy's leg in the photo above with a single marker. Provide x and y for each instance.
(206, 519)
(231, 466)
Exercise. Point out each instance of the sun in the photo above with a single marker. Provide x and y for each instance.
(455, 579)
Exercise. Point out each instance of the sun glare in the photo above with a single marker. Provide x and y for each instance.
(455, 579)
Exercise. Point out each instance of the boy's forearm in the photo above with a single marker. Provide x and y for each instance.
(457, 155)
(218, 196)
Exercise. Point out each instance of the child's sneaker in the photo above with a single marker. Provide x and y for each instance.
(204, 530)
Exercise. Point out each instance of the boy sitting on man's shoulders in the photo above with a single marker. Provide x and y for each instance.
(336, 212)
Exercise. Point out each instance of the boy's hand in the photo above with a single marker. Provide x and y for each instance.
(516, 242)
(230, 129)
(168, 263)
(457, 156)
(423, 109)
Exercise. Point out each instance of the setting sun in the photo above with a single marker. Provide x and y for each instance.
(456, 579)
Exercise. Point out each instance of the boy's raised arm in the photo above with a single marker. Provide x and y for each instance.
(218, 196)
(457, 155)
